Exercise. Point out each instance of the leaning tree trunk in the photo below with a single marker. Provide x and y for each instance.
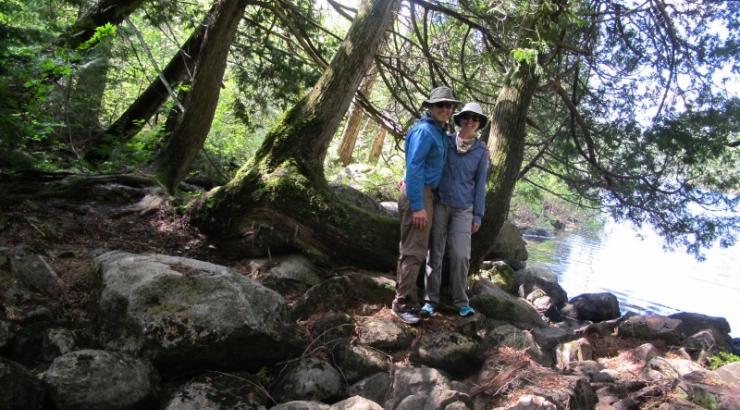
(146, 105)
(281, 199)
(173, 162)
(506, 145)
(352, 129)
(102, 12)
(377, 147)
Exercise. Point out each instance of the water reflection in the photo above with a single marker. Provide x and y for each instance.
(644, 277)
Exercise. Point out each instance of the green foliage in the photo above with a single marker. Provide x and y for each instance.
(106, 31)
(721, 359)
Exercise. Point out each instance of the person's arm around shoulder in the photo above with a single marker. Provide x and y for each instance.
(479, 202)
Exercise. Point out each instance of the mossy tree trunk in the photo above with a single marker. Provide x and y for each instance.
(506, 147)
(377, 148)
(173, 162)
(281, 198)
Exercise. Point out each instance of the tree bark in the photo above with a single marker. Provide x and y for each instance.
(377, 147)
(103, 11)
(146, 105)
(173, 162)
(506, 147)
(352, 129)
(281, 198)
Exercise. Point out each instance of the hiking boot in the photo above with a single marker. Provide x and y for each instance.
(427, 310)
(406, 315)
(466, 311)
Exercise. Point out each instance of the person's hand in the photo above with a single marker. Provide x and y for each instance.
(401, 186)
(474, 228)
(419, 219)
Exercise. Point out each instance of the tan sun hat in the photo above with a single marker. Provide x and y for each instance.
(441, 94)
(471, 107)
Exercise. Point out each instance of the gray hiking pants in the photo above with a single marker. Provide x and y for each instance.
(451, 226)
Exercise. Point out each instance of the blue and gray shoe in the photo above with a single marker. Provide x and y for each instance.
(427, 310)
(466, 311)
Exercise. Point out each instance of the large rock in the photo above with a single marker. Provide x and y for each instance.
(510, 247)
(593, 307)
(373, 387)
(412, 380)
(33, 271)
(386, 335)
(449, 351)
(219, 391)
(356, 403)
(692, 323)
(19, 389)
(518, 339)
(339, 292)
(706, 390)
(661, 368)
(301, 405)
(186, 314)
(730, 373)
(357, 361)
(294, 273)
(652, 327)
(97, 379)
(541, 289)
(495, 303)
(309, 379)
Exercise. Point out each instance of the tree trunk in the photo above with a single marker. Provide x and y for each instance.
(147, 104)
(506, 145)
(281, 199)
(185, 143)
(86, 95)
(352, 129)
(377, 146)
(103, 11)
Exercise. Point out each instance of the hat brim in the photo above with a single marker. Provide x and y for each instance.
(437, 100)
(483, 123)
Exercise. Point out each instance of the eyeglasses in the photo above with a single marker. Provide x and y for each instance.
(470, 117)
(443, 104)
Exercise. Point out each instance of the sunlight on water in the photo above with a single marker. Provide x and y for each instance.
(644, 277)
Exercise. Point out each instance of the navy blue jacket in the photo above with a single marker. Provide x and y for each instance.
(463, 181)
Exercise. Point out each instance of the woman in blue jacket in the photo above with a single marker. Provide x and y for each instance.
(459, 209)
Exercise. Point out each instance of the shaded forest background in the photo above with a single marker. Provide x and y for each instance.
(626, 107)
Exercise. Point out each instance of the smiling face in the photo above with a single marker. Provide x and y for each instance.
(441, 111)
(469, 124)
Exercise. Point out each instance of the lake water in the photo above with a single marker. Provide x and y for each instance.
(643, 276)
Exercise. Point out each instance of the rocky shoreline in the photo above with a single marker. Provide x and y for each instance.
(170, 332)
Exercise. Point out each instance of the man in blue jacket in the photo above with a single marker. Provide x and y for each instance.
(426, 151)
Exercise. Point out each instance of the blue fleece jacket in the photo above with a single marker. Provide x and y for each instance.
(463, 182)
(426, 149)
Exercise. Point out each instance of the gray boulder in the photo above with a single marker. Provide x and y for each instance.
(576, 351)
(510, 247)
(339, 292)
(219, 391)
(730, 373)
(449, 351)
(301, 405)
(186, 314)
(356, 403)
(692, 323)
(661, 368)
(357, 361)
(97, 379)
(515, 338)
(424, 389)
(19, 389)
(529, 280)
(294, 273)
(495, 303)
(309, 379)
(331, 326)
(373, 387)
(593, 307)
(652, 327)
(33, 271)
(706, 390)
(386, 335)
